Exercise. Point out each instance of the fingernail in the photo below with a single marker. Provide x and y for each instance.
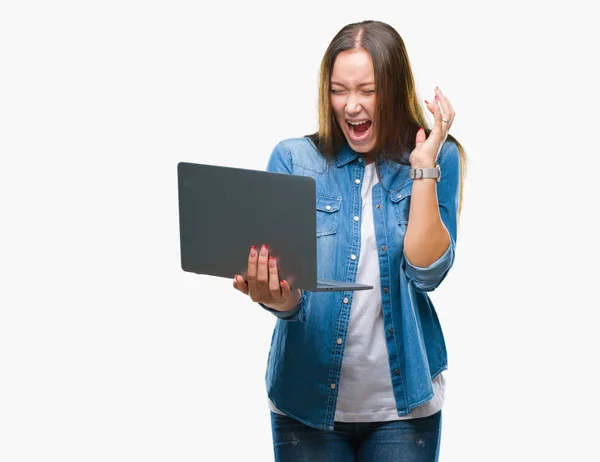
(263, 250)
(272, 262)
(427, 101)
(283, 282)
(252, 251)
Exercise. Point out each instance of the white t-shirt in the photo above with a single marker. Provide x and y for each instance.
(365, 392)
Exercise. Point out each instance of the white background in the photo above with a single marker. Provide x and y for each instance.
(110, 352)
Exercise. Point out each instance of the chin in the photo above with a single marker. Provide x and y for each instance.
(361, 148)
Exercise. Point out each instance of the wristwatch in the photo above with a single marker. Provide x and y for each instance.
(421, 173)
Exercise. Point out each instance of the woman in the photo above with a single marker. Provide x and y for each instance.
(358, 375)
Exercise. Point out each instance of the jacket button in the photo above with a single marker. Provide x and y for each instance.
(352, 257)
(356, 218)
(346, 300)
(339, 341)
(390, 330)
(357, 181)
(332, 386)
(378, 206)
(384, 248)
(386, 290)
(328, 207)
(397, 372)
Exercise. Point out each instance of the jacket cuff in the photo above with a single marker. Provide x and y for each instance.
(298, 313)
(428, 279)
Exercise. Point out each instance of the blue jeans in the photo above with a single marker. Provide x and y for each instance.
(412, 440)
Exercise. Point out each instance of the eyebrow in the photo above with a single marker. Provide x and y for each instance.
(360, 85)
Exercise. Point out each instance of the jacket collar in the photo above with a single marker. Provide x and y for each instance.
(345, 156)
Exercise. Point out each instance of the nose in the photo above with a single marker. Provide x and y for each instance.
(352, 105)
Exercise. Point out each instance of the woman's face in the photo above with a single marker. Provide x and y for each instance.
(353, 98)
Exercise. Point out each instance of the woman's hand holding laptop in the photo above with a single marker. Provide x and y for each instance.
(263, 285)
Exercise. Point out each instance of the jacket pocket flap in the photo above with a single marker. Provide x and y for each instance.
(402, 193)
(328, 203)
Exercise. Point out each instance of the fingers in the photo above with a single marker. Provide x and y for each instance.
(274, 288)
(447, 110)
(437, 112)
(240, 284)
(437, 131)
(263, 276)
(252, 271)
(443, 115)
(286, 290)
(262, 272)
(429, 106)
(420, 138)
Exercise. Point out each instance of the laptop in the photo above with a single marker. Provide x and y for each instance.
(223, 211)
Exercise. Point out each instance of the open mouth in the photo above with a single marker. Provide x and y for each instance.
(359, 130)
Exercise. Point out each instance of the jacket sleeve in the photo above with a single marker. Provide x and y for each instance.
(281, 162)
(448, 192)
(298, 313)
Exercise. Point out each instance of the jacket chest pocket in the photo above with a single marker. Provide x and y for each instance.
(328, 214)
(401, 203)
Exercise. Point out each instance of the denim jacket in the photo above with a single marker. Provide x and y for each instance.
(305, 358)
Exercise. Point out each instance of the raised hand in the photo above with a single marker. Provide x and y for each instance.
(427, 149)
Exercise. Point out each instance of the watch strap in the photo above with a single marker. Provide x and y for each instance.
(424, 173)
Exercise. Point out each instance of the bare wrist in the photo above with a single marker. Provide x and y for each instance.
(288, 304)
(423, 164)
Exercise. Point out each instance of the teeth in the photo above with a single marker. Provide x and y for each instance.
(358, 123)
